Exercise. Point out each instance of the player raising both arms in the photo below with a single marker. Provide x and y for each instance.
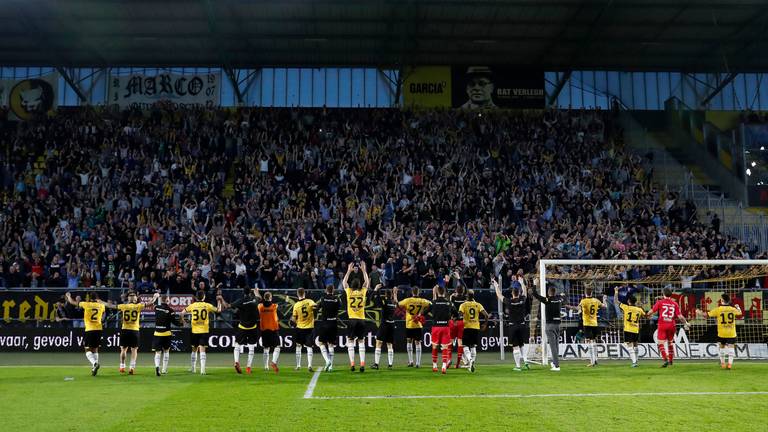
(93, 311)
(327, 330)
(129, 330)
(669, 311)
(441, 311)
(517, 306)
(161, 343)
(355, 292)
(725, 315)
(470, 312)
(304, 317)
(247, 328)
(200, 313)
(387, 301)
(632, 316)
(589, 306)
(270, 336)
(415, 307)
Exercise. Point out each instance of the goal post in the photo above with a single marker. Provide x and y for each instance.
(696, 285)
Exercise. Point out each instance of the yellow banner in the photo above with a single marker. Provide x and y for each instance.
(427, 86)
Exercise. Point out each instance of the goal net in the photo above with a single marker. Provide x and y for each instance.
(697, 286)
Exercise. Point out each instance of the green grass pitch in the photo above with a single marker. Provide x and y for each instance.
(55, 392)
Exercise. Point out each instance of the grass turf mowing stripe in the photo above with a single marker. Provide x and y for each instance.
(549, 395)
(311, 386)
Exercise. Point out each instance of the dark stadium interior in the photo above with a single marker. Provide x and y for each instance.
(552, 35)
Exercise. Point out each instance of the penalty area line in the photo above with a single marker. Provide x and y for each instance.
(527, 396)
(311, 386)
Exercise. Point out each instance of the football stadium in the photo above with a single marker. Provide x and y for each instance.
(333, 215)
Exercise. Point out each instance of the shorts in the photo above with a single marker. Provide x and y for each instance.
(270, 339)
(630, 337)
(386, 332)
(328, 332)
(93, 339)
(666, 333)
(247, 336)
(726, 341)
(305, 337)
(161, 343)
(591, 332)
(356, 329)
(199, 339)
(457, 329)
(441, 335)
(414, 333)
(129, 338)
(471, 337)
(518, 335)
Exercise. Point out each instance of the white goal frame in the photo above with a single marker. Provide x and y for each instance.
(614, 262)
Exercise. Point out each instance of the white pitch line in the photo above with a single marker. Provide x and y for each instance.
(526, 396)
(311, 386)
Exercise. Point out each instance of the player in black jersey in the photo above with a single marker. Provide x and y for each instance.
(456, 325)
(553, 303)
(387, 301)
(248, 326)
(161, 344)
(441, 311)
(326, 326)
(517, 308)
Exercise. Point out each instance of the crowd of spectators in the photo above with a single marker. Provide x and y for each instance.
(182, 199)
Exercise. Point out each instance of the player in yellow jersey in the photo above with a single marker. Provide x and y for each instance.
(304, 317)
(356, 292)
(415, 307)
(470, 311)
(200, 315)
(589, 307)
(93, 311)
(632, 316)
(129, 330)
(726, 315)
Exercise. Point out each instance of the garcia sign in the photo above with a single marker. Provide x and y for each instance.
(138, 90)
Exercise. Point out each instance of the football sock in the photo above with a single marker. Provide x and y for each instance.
(446, 356)
(633, 354)
(298, 356)
(721, 354)
(194, 361)
(251, 352)
(390, 354)
(524, 352)
(203, 356)
(516, 354)
(122, 364)
(409, 348)
(310, 354)
(663, 352)
(418, 353)
(434, 355)
(671, 350)
(361, 348)
(459, 353)
(351, 352)
(96, 356)
(275, 354)
(166, 358)
(377, 355)
(266, 357)
(91, 358)
(324, 352)
(330, 354)
(731, 355)
(593, 345)
(467, 354)
(157, 358)
(133, 363)
(236, 352)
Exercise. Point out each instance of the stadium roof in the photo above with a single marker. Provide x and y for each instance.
(701, 35)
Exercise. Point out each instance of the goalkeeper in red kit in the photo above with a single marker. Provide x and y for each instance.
(669, 312)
